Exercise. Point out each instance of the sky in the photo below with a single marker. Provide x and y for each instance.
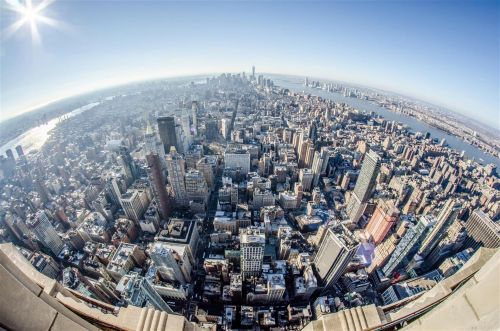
(443, 52)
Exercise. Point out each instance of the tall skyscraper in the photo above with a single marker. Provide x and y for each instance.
(446, 216)
(320, 161)
(166, 128)
(252, 241)
(138, 291)
(151, 143)
(385, 215)
(45, 232)
(168, 262)
(158, 181)
(365, 186)
(482, 231)
(128, 164)
(194, 115)
(19, 150)
(253, 72)
(409, 244)
(176, 173)
(9, 153)
(211, 130)
(336, 250)
(206, 169)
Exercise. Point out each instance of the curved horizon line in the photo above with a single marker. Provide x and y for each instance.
(85, 91)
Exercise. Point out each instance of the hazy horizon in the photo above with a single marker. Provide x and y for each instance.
(402, 47)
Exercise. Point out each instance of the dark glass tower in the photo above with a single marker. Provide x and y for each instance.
(166, 128)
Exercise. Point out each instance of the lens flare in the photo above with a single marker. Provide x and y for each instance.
(29, 15)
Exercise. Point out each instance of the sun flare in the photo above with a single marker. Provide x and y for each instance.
(30, 15)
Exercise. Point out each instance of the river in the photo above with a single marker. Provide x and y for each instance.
(296, 84)
(34, 138)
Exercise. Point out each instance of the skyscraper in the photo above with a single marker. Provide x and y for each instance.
(385, 215)
(364, 186)
(336, 250)
(158, 181)
(176, 173)
(194, 115)
(19, 150)
(9, 153)
(168, 262)
(166, 128)
(151, 143)
(128, 164)
(138, 291)
(482, 231)
(252, 241)
(45, 232)
(211, 130)
(409, 244)
(206, 169)
(320, 161)
(446, 216)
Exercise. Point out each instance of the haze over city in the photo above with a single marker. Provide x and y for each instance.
(249, 165)
(443, 52)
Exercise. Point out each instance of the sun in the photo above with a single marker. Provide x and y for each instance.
(30, 15)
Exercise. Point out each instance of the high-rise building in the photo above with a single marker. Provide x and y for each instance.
(319, 165)
(385, 215)
(128, 164)
(9, 154)
(252, 241)
(446, 216)
(186, 136)
(365, 186)
(19, 150)
(253, 72)
(206, 168)
(40, 225)
(166, 128)
(176, 173)
(194, 115)
(482, 231)
(124, 258)
(451, 242)
(306, 179)
(138, 291)
(409, 244)
(152, 145)
(336, 250)
(211, 130)
(135, 202)
(158, 181)
(168, 263)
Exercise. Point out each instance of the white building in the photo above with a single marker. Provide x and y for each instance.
(237, 158)
(253, 241)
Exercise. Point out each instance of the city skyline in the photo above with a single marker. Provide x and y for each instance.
(399, 47)
(250, 203)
